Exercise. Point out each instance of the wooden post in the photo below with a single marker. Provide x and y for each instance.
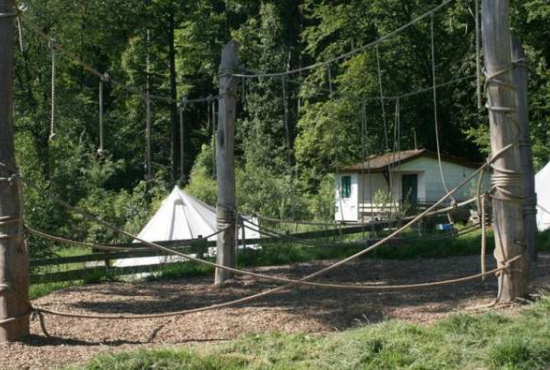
(14, 262)
(507, 178)
(521, 77)
(225, 169)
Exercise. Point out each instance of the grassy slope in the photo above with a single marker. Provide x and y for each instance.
(487, 341)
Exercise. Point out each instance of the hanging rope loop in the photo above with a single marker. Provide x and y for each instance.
(51, 45)
(105, 78)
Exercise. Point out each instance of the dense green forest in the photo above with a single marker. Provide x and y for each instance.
(277, 174)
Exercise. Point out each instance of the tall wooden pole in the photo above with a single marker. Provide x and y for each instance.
(521, 77)
(225, 166)
(507, 177)
(14, 263)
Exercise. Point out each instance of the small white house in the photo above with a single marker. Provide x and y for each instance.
(391, 181)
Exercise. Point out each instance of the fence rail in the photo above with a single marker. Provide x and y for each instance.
(195, 246)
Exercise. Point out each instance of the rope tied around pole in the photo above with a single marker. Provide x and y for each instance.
(33, 312)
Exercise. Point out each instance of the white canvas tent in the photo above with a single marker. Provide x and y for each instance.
(180, 217)
(542, 187)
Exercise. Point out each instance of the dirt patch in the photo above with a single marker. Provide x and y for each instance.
(299, 310)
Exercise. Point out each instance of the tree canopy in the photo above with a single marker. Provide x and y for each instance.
(287, 145)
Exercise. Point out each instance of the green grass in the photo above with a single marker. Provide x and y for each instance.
(41, 290)
(487, 341)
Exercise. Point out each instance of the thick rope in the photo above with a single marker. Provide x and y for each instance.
(271, 292)
(290, 283)
(109, 248)
(333, 224)
(241, 272)
(277, 236)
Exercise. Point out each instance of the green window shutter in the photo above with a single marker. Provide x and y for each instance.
(346, 186)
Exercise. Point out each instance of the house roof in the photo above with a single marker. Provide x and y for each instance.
(381, 163)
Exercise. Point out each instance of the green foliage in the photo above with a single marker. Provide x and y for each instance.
(284, 166)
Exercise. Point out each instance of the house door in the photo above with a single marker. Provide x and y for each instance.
(409, 190)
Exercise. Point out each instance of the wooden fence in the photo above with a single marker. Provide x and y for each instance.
(100, 262)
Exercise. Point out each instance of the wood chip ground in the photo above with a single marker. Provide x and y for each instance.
(300, 310)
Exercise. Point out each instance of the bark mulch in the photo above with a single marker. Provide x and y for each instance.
(298, 310)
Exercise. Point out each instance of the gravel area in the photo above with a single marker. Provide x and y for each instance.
(300, 310)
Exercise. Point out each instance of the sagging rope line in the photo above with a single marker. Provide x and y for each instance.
(40, 310)
(242, 272)
(291, 283)
(377, 98)
(435, 103)
(138, 91)
(351, 52)
(309, 242)
(321, 224)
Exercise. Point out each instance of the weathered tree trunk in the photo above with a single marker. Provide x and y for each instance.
(521, 77)
(14, 263)
(225, 169)
(507, 176)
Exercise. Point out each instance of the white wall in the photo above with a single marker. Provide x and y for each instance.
(347, 209)
(430, 185)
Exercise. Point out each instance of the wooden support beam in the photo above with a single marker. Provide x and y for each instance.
(521, 78)
(14, 270)
(225, 164)
(507, 176)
